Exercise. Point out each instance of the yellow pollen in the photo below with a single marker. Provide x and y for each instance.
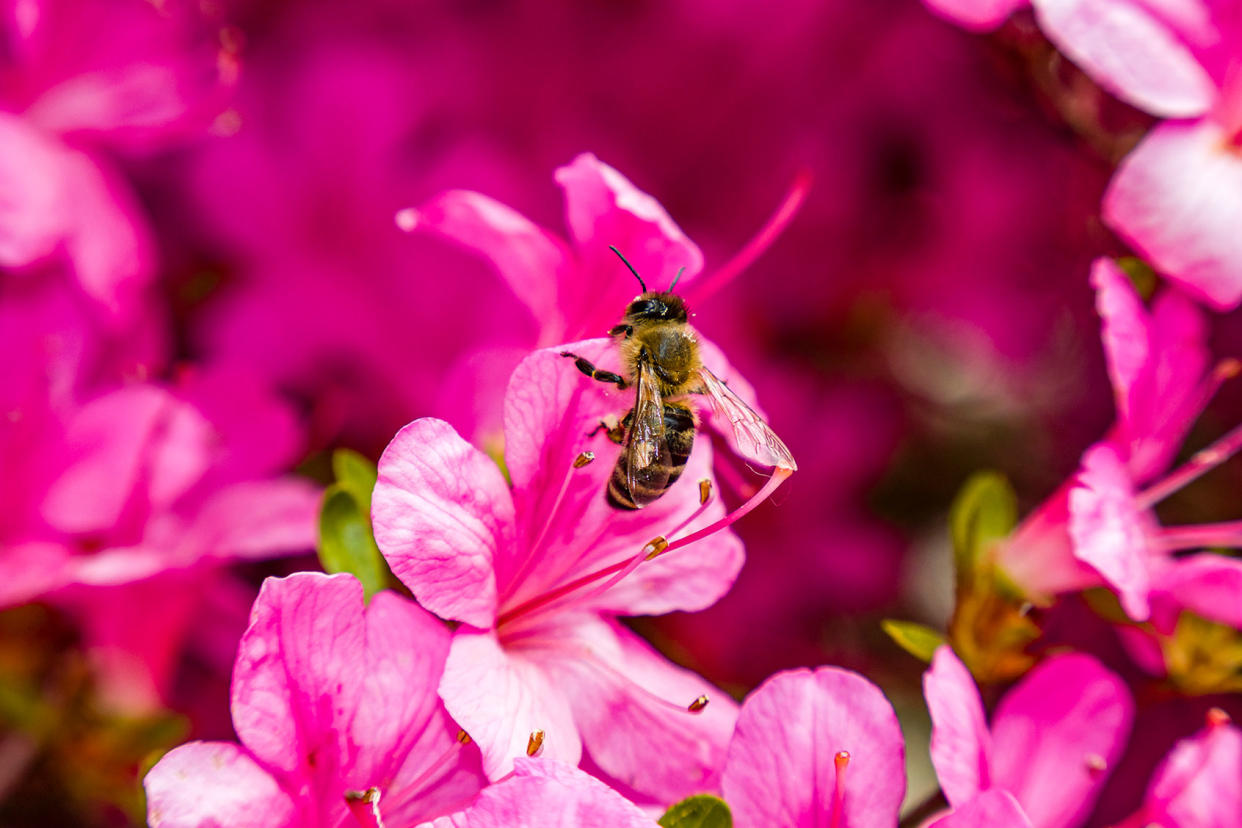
(698, 704)
(534, 745)
(463, 737)
(584, 459)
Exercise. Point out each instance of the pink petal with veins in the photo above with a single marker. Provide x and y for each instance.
(781, 765)
(501, 695)
(443, 517)
(545, 793)
(216, 783)
(631, 706)
(334, 697)
(1177, 199)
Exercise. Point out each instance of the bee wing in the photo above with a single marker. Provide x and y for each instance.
(752, 437)
(646, 445)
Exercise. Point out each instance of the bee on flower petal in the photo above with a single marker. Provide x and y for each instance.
(660, 358)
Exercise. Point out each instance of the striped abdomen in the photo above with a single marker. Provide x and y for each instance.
(651, 482)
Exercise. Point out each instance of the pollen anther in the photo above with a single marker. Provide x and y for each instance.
(464, 737)
(705, 491)
(534, 745)
(584, 459)
(698, 704)
(655, 548)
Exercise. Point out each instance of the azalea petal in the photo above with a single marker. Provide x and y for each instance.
(256, 519)
(1177, 199)
(443, 516)
(139, 442)
(1209, 585)
(603, 208)
(1133, 51)
(501, 697)
(335, 697)
(1109, 531)
(780, 765)
(1057, 735)
(544, 793)
(631, 706)
(531, 260)
(1196, 786)
(52, 198)
(960, 742)
(567, 524)
(976, 15)
(991, 809)
(1156, 364)
(216, 783)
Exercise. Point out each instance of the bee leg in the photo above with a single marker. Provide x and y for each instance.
(594, 373)
(615, 431)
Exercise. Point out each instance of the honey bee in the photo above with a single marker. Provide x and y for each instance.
(660, 357)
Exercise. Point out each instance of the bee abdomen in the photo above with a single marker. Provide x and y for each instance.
(654, 480)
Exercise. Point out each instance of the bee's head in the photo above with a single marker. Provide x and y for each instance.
(654, 306)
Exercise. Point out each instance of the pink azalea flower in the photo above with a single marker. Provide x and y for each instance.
(144, 492)
(1158, 364)
(575, 289)
(537, 569)
(1199, 784)
(82, 77)
(1052, 742)
(1175, 198)
(1098, 528)
(329, 699)
(815, 748)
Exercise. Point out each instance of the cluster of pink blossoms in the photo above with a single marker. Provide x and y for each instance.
(536, 706)
(509, 691)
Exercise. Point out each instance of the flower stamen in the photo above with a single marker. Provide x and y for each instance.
(534, 745)
(698, 704)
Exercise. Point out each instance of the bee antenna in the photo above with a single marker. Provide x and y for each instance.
(677, 278)
(614, 249)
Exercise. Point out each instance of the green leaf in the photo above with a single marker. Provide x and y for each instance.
(356, 475)
(985, 511)
(699, 811)
(916, 639)
(346, 543)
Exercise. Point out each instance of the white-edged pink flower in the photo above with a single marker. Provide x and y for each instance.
(815, 749)
(1051, 744)
(1177, 197)
(537, 566)
(329, 699)
(1199, 783)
